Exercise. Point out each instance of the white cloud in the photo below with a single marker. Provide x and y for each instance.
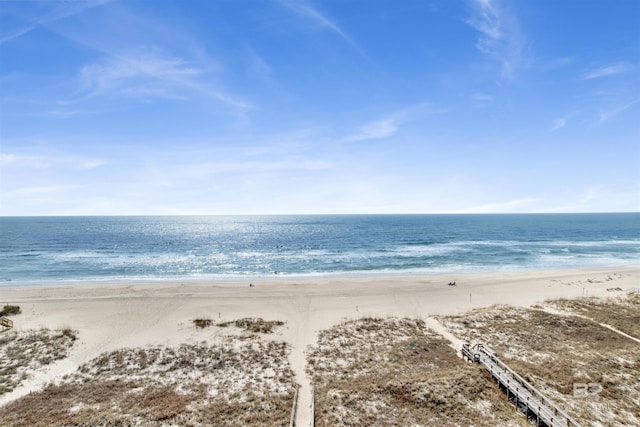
(306, 10)
(150, 74)
(609, 114)
(481, 99)
(500, 35)
(559, 124)
(378, 129)
(118, 71)
(609, 70)
(511, 206)
(59, 10)
(389, 125)
(39, 191)
(91, 164)
(7, 159)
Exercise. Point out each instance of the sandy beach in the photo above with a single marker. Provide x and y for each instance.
(118, 315)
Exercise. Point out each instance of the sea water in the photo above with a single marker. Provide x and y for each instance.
(57, 249)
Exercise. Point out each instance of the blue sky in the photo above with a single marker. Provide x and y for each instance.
(340, 106)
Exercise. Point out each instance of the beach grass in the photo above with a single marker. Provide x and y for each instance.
(622, 313)
(230, 384)
(555, 352)
(253, 324)
(389, 372)
(24, 352)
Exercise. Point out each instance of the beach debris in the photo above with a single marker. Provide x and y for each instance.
(452, 283)
(614, 289)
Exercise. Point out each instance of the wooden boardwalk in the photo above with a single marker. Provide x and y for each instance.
(534, 404)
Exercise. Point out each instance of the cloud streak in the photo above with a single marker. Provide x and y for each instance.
(559, 124)
(607, 71)
(378, 129)
(500, 36)
(149, 74)
(305, 10)
(59, 11)
(518, 205)
(611, 113)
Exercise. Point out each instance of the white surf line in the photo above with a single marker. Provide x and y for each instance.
(604, 325)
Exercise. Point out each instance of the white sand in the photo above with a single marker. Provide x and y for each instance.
(111, 316)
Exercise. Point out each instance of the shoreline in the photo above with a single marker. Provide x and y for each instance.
(306, 277)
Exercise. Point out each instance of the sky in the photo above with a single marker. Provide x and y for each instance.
(167, 107)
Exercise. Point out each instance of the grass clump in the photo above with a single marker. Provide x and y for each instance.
(10, 310)
(202, 323)
(25, 352)
(255, 325)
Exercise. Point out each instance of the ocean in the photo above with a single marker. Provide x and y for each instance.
(62, 249)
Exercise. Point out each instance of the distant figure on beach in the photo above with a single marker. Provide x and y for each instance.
(251, 285)
(452, 283)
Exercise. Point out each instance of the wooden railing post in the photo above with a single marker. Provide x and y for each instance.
(294, 408)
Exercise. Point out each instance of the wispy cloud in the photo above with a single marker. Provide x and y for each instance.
(609, 70)
(559, 124)
(149, 74)
(133, 69)
(305, 10)
(389, 125)
(610, 113)
(378, 129)
(517, 205)
(59, 10)
(7, 159)
(500, 35)
(91, 164)
(41, 161)
(481, 99)
(40, 191)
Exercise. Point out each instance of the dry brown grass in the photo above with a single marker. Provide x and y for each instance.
(623, 313)
(554, 352)
(252, 324)
(10, 310)
(231, 384)
(22, 353)
(202, 323)
(390, 372)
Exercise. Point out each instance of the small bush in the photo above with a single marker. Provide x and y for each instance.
(10, 310)
(255, 325)
(68, 332)
(202, 323)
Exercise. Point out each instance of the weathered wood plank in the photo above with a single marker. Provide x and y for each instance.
(523, 394)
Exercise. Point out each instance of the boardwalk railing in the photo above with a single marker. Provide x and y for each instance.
(294, 408)
(526, 397)
(6, 323)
